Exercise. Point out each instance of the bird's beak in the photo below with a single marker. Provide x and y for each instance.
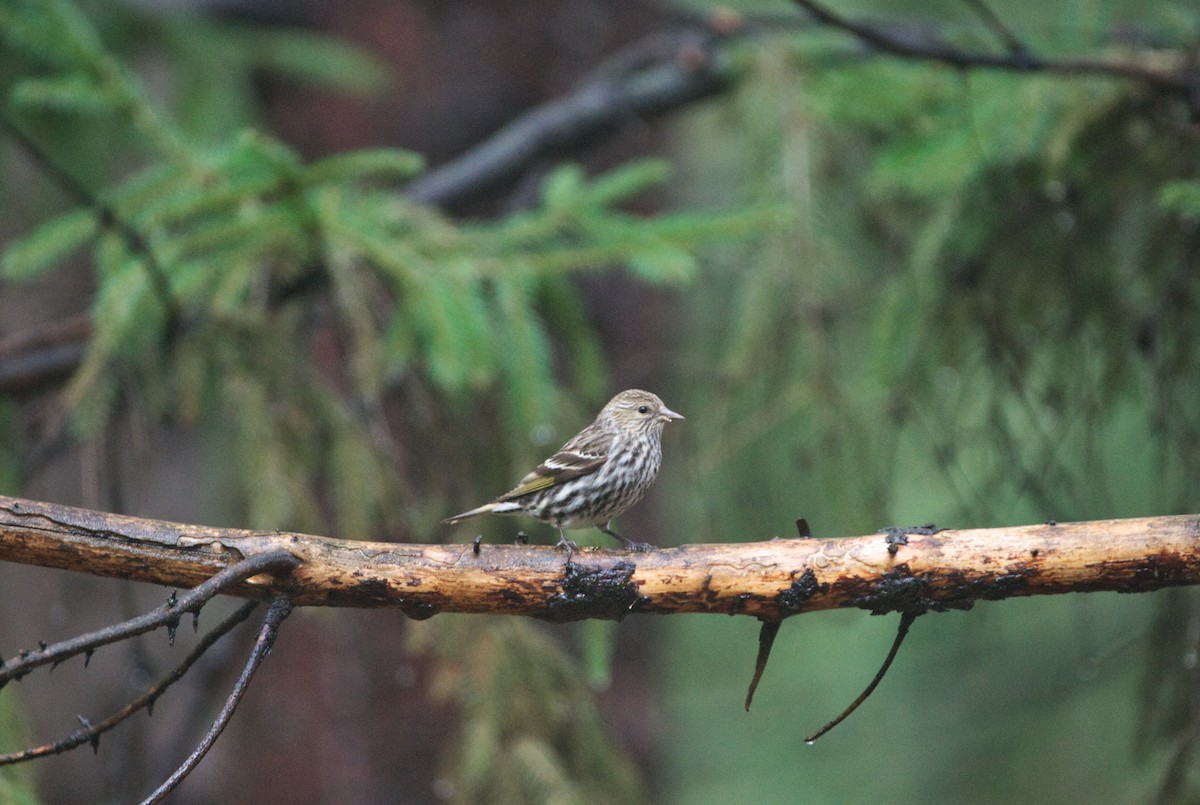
(667, 413)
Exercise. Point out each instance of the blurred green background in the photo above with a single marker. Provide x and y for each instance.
(883, 292)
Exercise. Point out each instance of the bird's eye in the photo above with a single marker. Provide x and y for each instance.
(642, 409)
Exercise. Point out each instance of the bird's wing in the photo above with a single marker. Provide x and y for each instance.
(584, 454)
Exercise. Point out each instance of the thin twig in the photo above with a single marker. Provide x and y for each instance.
(1012, 43)
(906, 620)
(1184, 84)
(146, 700)
(281, 607)
(166, 615)
(108, 217)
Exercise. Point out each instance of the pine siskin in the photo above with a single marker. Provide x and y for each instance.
(602, 471)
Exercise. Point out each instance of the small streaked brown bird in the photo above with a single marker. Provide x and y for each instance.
(602, 471)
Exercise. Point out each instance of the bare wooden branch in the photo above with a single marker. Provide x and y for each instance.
(768, 580)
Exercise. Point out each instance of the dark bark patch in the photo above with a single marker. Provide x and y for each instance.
(594, 591)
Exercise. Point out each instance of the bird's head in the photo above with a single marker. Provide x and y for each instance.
(635, 411)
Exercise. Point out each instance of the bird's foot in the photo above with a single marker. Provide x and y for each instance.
(627, 544)
(567, 545)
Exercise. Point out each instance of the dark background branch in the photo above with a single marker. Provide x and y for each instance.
(1184, 83)
(657, 76)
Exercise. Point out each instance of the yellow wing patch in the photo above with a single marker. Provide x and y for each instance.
(561, 467)
(534, 485)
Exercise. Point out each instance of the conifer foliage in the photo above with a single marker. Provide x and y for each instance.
(219, 255)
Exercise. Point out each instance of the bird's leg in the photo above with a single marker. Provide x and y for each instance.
(629, 545)
(563, 542)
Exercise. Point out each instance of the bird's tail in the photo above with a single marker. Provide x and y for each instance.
(504, 507)
(458, 518)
